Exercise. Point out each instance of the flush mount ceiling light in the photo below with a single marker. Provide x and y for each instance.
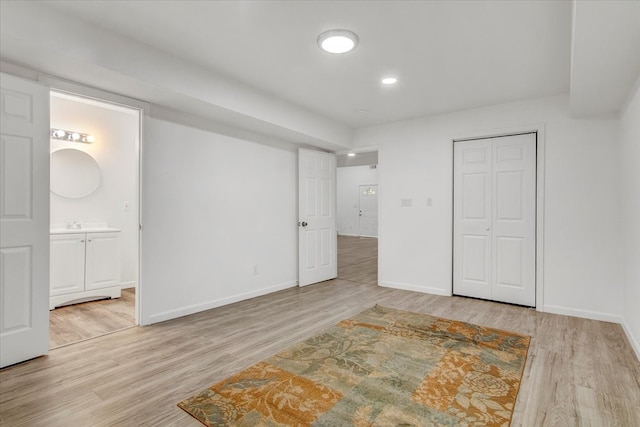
(351, 154)
(389, 81)
(338, 41)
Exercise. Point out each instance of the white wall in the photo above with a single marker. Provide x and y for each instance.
(348, 196)
(629, 217)
(581, 245)
(115, 150)
(213, 208)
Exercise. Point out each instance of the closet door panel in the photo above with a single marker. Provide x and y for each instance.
(514, 219)
(472, 216)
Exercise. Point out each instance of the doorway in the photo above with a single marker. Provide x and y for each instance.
(357, 216)
(494, 233)
(94, 217)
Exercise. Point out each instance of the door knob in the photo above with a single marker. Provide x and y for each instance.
(304, 224)
(487, 229)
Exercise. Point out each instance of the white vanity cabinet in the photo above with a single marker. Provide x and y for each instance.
(84, 266)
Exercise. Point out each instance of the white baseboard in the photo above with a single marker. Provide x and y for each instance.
(348, 235)
(585, 314)
(634, 342)
(416, 288)
(196, 308)
(127, 285)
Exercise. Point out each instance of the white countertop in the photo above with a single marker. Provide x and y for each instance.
(89, 227)
(83, 230)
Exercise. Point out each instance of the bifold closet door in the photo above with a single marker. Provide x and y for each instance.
(494, 219)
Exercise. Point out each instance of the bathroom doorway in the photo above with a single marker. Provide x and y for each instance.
(94, 224)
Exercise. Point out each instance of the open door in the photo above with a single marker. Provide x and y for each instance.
(317, 239)
(24, 220)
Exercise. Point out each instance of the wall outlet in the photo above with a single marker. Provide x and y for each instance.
(429, 202)
(406, 203)
(126, 206)
(255, 270)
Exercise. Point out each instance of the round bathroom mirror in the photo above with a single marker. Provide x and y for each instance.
(74, 173)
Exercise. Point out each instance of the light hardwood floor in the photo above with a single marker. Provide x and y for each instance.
(73, 323)
(358, 259)
(579, 372)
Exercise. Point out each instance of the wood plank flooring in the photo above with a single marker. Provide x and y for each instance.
(78, 322)
(358, 259)
(579, 372)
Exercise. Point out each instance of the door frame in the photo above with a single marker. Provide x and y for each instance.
(80, 90)
(539, 129)
(380, 150)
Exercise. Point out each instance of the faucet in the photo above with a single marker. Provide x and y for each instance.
(74, 225)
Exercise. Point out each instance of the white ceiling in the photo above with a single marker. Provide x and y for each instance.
(448, 56)
(257, 63)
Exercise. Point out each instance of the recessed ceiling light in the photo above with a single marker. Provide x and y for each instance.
(389, 81)
(351, 154)
(338, 41)
(360, 110)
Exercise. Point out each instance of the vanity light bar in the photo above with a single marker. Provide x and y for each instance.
(67, 135)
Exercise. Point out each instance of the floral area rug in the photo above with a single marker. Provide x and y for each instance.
(382, 367)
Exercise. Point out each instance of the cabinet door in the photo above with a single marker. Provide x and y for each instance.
(67, 264)
(103, 260)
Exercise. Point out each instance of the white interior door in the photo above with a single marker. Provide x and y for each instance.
(24, 220)
(368, 210)
(317, 240)
(494, 218)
